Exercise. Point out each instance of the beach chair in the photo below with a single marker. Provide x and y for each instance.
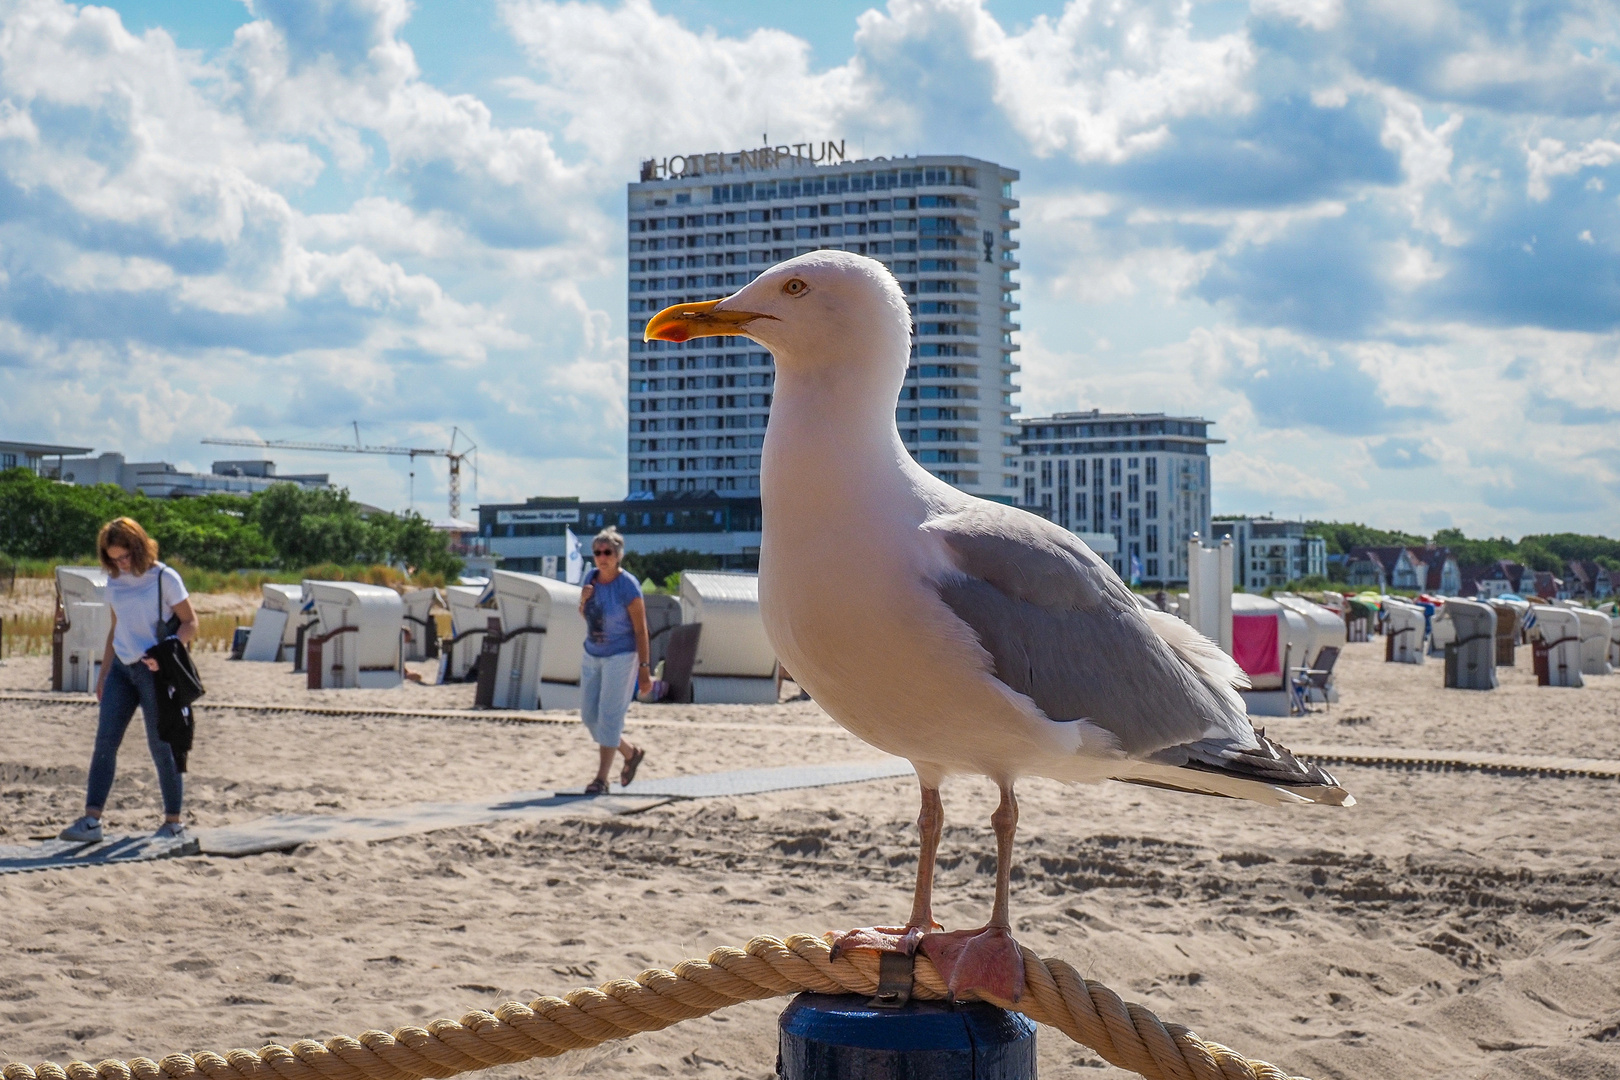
(355, 642)
(274, 634)
(680, 655)
(1306, 682)
(1470, 657)
(421, 631)
(1595, 630)
(735, 664)
(663, 615)
(1359, 618)
(83, 620)
(1556, 647)
(1404, 632)
(530, 658)
(1508, 627)
(469, 622)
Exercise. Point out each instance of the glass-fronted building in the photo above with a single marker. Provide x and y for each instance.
(526, 536)
(704, 225)
(1141, 477)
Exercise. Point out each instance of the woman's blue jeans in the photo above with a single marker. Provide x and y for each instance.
(130, 686)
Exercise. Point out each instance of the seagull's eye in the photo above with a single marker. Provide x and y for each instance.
(796, 287)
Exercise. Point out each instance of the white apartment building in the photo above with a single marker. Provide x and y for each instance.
(1271, 553)
(1141, 477)
(703, 225)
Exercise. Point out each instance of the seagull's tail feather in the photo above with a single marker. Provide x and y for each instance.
(1268, 773)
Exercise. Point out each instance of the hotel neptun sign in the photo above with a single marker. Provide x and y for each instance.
(762, 159)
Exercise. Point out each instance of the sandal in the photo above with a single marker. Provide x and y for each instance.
(631, 764)
(596, 787)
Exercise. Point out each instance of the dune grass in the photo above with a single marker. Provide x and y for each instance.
(30, 635)
(249, 581)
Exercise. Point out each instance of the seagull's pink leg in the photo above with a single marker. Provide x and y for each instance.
(986, 962)
(904, 939)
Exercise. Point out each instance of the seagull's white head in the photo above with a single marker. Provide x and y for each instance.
(821, 313)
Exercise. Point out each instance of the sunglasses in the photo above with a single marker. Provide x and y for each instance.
(600, 552)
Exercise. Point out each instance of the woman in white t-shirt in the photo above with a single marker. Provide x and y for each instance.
(144, 595)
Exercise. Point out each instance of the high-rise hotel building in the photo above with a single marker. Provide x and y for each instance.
(703, 225)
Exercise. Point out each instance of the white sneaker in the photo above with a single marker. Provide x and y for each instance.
(87, 830)
(172, 830)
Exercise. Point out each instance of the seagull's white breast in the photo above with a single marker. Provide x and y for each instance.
(848, 594)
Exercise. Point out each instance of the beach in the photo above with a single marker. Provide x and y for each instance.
(1452, 924)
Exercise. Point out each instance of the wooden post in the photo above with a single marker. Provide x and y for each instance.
(58, 632)
(835, 1036)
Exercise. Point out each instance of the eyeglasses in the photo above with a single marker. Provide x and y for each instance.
(604, 553)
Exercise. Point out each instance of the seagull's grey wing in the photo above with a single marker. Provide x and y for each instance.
(1062, 629)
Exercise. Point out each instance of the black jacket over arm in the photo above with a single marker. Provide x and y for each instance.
(178, 685)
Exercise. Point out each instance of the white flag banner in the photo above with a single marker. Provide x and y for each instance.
(576, 559)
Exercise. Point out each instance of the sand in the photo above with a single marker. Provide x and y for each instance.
(1452, 925)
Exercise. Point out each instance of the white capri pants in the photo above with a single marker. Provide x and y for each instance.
(607, 684)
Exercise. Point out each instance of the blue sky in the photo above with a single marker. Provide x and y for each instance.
(1376, 242)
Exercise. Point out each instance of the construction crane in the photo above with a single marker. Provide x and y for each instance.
(452, 455)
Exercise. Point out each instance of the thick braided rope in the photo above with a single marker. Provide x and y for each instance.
(1123, 1033)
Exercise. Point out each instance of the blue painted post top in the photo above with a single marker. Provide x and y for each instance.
(844, 1037)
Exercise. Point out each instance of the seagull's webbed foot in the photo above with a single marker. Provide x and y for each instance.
(895, 939)
(985, 963)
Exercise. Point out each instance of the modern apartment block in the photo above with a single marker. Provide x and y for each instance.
(1271, 553)
(1142, 478)
(703, 225)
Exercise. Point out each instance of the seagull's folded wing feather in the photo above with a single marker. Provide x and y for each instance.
(1062, 629)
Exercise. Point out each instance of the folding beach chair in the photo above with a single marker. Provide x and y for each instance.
(1302, 680)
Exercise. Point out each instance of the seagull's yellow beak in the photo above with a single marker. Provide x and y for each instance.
(683, 322)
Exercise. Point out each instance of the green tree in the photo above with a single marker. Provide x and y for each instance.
(1341, 536)
(307, 526)
(41, 519)
(1565, 546)
(1476, 552)
(658, 566)
(211, 532)
(410, 539)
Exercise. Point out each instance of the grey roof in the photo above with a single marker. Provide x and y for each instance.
(42, 449)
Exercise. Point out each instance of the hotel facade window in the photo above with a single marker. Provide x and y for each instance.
(1149, 482)
(724, 218)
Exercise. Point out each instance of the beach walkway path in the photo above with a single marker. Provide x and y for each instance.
(281, 832)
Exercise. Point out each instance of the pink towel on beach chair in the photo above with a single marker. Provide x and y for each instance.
(1254, 644)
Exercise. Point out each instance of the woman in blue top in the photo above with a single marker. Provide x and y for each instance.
(143, 595)
(615, 663)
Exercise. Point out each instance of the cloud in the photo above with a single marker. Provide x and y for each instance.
(1373, 240)
(1401, 453)
(1549, 158)
(344, 30)
(1098, 83)
(1283, 152)
(1291, 387)
(1250, 480)
(1562, 411)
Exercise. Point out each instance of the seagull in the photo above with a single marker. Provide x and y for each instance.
(967, 636)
